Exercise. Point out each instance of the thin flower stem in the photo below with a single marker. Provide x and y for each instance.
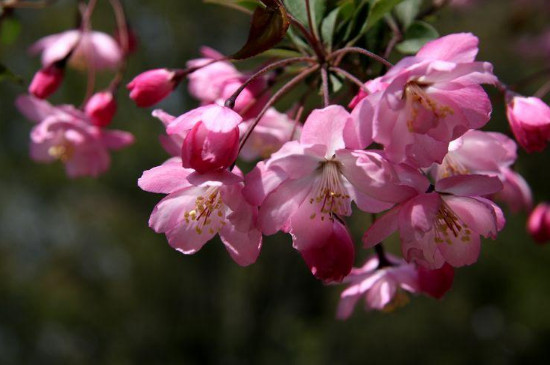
(283, 90)
(312, 28)
(543, 90)
(325, 82)
(230, 102)
(86, 27)
(122, 26)
(396, 36)
(350, 77)
(380, 252)
(362, 51)
(313, 42)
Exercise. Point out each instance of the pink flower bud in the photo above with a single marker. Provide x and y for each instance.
(436, 282)
(150, 87)
(332, 259)
(46, 81)
(538, 224)
(530, 121)
(205, 150)
(101, 108)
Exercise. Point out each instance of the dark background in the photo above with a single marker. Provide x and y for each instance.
(83, 280)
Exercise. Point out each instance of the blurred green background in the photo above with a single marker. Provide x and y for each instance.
(83, 280)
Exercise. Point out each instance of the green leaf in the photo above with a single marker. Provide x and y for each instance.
(379, 8)
(268, 27)
(7, 75)
(335, 83)
(9, 30)
(407, 11)
(246, 6)
(357, 25)
(299, 10)
(281, 53)
(418, 34)
(328, 27)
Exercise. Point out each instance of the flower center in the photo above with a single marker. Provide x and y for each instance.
(63, 151)
(331, 195)
(208, 212)
(447, 223)
(417, 99)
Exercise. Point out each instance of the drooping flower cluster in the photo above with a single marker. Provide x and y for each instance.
(408, 149)
(434, 179)
(77, 136)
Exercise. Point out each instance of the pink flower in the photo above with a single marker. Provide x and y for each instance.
(487, 153)
(308, 182)
(200, 206)
(331, 258)
(171, 143)
(529, 119)
(383, 287)
(101, 108)
(538, 224)
(46, 81)
(64, 133)
(444, 223)
(436, 283)
(206, 84)
(211, 137)
(95, 49)
(273, 130)
(150, 87)
(217, 81)
(424, 102)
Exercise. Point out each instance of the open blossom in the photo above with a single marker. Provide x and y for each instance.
(46, 81)
(444, 223)
(199, 206)
(211, 137)
(64, 133)
(89, 48)
(426, 101)
(272, 131)
(538, 224)
(308, 181)
(383, 287)
(529, 119)
(150, 87)
(172, 143)
(215, 82)
(487, 153)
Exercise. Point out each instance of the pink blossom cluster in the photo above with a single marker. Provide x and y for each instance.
(77, 137)
(409, 149)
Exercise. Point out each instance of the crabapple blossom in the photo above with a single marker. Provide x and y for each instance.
(424, 102)
(101, 108)
(487, 153)
(215, 80)
(150, 87)
(271, 132)
(538, 224)
(211, 137)
(383, 287)
(64, 133)
(443, 224)
(199, 206)
(308, 181)
(46, 81)
(84, 49)
(529, 119)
